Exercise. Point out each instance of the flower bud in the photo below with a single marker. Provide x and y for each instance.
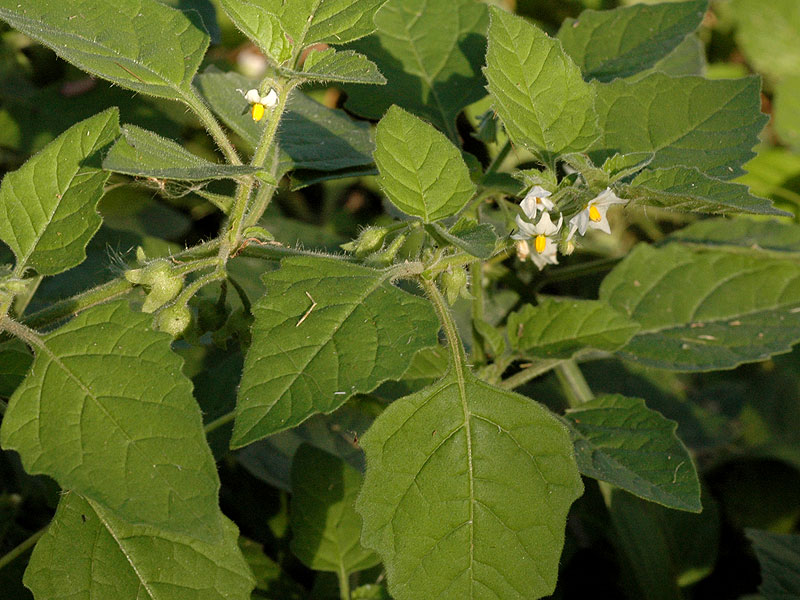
(164, 284)
(385, 257)
(454, 282)
(370, 240)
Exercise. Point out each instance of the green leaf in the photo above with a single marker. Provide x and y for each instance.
(622, 42)
(270, 578)
(341, 65)
(142, 153)
(686, 188)
(200, 12)
(90, 553)
(47, 206)
(421, 171)
(144, 45)
(325, 526)
(687, 121)
(787, 110)
(472, 237)
(362, 331)
(15, 360)
(767, 34)
(106, 412)
(538, 91)
(771, 237)
(310, 136)
(559, 329)
(779, 557)
(705, 311)
(431, 52)
(619, 440)
(688, 58)
(771, 174)
(261, 26)
(467, 492)
(324, 21)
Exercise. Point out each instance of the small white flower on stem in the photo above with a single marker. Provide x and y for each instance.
(593, 216)
(543, 233)
(535, 200)
(261, 103)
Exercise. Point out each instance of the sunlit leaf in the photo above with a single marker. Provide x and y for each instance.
(341, 65)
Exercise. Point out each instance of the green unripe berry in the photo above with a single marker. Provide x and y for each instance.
(454, 282)
(174, 320)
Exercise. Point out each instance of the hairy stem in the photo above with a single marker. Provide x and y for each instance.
(535, 370)
(344, 583)
(199, 107)
(22, 548)
(573, 383)
(476, 288)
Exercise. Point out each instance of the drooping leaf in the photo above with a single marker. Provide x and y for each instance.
(685, 188)
(467, 492)
(311, 136)
(705, 311)
(559, 329)
(779, 557)
(261, 26)
(90, 553)
(145, 45)
(686, 121)
(341, 65)
(421, 171)
(431, 52)
(619, 440)
(538, 92)
(330, 21)
(143, 153)
(778, 238)
(47, 206)
(325, 526)
(106, 412)
(360, 331)
(621, 42)
(767, 34)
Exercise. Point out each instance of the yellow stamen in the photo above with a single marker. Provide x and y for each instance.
(540, 243)
(258, 111)
(594, 214)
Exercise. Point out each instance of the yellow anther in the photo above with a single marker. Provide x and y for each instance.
(258, 111)
(540, 243)
(594, 214)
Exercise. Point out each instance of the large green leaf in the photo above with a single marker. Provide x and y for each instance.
(467, 492)
(431, 52)
(688, 58)
(686, 188)
(47, 206)
(537, 90)
(360, 331)
(325, 526)
(106, 412)
(779, 557)
(142, 45)
(705, 311)
(341, 65)
(311, 136)
(15, 360)
(687, 121)
(767, 34)
(559, 329)
(619, 43)
(89, 553)
(260, 25)
(421, 171)
(621, 441)
(743, 235)
(142, 153)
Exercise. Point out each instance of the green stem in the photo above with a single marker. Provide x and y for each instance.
(526, 375)
(344, 583)
(219, 422)
(476, 288)
(573, 383)
(22, 548)
(190, 290)
(448, 324)
(241, 293)
(199, 107)
(498, 160)
(240, 203)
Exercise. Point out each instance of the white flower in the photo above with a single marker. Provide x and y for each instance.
(593, 215)
(545, 246)
(536, 199)
(260, 103)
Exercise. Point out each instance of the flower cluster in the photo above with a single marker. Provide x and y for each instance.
(545, 234)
